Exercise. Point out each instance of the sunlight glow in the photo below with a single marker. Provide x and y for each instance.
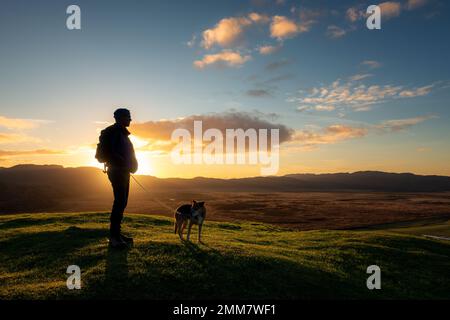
(144, 162)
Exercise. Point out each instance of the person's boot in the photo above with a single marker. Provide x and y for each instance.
(128, 240)
(117, 243)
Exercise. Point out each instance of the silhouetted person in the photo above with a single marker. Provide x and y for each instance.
(116, 151)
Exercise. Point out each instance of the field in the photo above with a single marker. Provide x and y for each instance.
(237, 260)
(299, 210)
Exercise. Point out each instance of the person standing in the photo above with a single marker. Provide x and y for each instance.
(116, 151)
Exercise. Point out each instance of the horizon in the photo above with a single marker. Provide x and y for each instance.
(342, 96)
(244, 177)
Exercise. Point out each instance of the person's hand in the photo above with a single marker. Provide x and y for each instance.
(134, 166)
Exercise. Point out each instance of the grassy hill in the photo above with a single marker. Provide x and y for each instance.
(237, 260)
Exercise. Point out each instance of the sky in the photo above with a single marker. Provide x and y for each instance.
(345, 98)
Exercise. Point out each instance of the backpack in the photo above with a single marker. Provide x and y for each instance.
(101, 154)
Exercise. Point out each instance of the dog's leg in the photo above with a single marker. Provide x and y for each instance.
(200, 232)
(175, 226)
(189, 230)
(181, 229)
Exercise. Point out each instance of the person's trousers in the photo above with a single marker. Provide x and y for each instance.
(120, 181)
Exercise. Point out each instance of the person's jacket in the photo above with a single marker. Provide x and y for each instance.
(120, 151)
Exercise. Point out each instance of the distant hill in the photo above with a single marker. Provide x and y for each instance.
(29, 188)
(89, 179)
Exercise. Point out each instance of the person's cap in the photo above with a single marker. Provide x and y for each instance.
(122, 112)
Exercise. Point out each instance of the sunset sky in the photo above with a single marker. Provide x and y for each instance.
(344, 97)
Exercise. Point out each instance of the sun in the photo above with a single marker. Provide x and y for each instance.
(143, 157)
(144, 163)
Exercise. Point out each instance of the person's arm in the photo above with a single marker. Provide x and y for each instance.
(111, 141)
(134, 162)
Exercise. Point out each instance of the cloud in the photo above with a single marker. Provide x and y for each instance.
(354, 14)
(324, 108)
(414, 4)
(308, 17)
(224, 58)
(353, 95)
(191, 43)
(103, 123)
(418, 92)
(283, 28)
(310, 139)
(259, 18)
(162, 130)
(401, 124)
(390, 9)
(13, 153)
(8, 138)
(20, 124)
(226, 33)
(229, 31)
(266, 50)
(335, 32)
(17, 128)
(358, 77)
(158, 133)
(277, 64)
(372, 64)
(258, 93)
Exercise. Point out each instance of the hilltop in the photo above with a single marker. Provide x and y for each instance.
(238, 260)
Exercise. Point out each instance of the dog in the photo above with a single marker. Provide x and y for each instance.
(194, 213)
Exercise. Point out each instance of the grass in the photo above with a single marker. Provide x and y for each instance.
(439, 227)
(237, 260)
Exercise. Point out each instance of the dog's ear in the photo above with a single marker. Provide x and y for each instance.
(194, 202)
(201, 204)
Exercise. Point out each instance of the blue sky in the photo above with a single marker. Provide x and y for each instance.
(152, 57)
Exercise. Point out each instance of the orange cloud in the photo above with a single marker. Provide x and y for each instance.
(6, 138)
(390, 9)
(266, 50)
(259, 18)
(12, 153)
(283, 28)
(401, 124)
(18, 124)
(354, 14)
(306, 140)
(332, 134)
(225, 33)
(224, 58)
(162, 130)
(228, 31)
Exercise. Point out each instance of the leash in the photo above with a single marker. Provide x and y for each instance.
(154, 199)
